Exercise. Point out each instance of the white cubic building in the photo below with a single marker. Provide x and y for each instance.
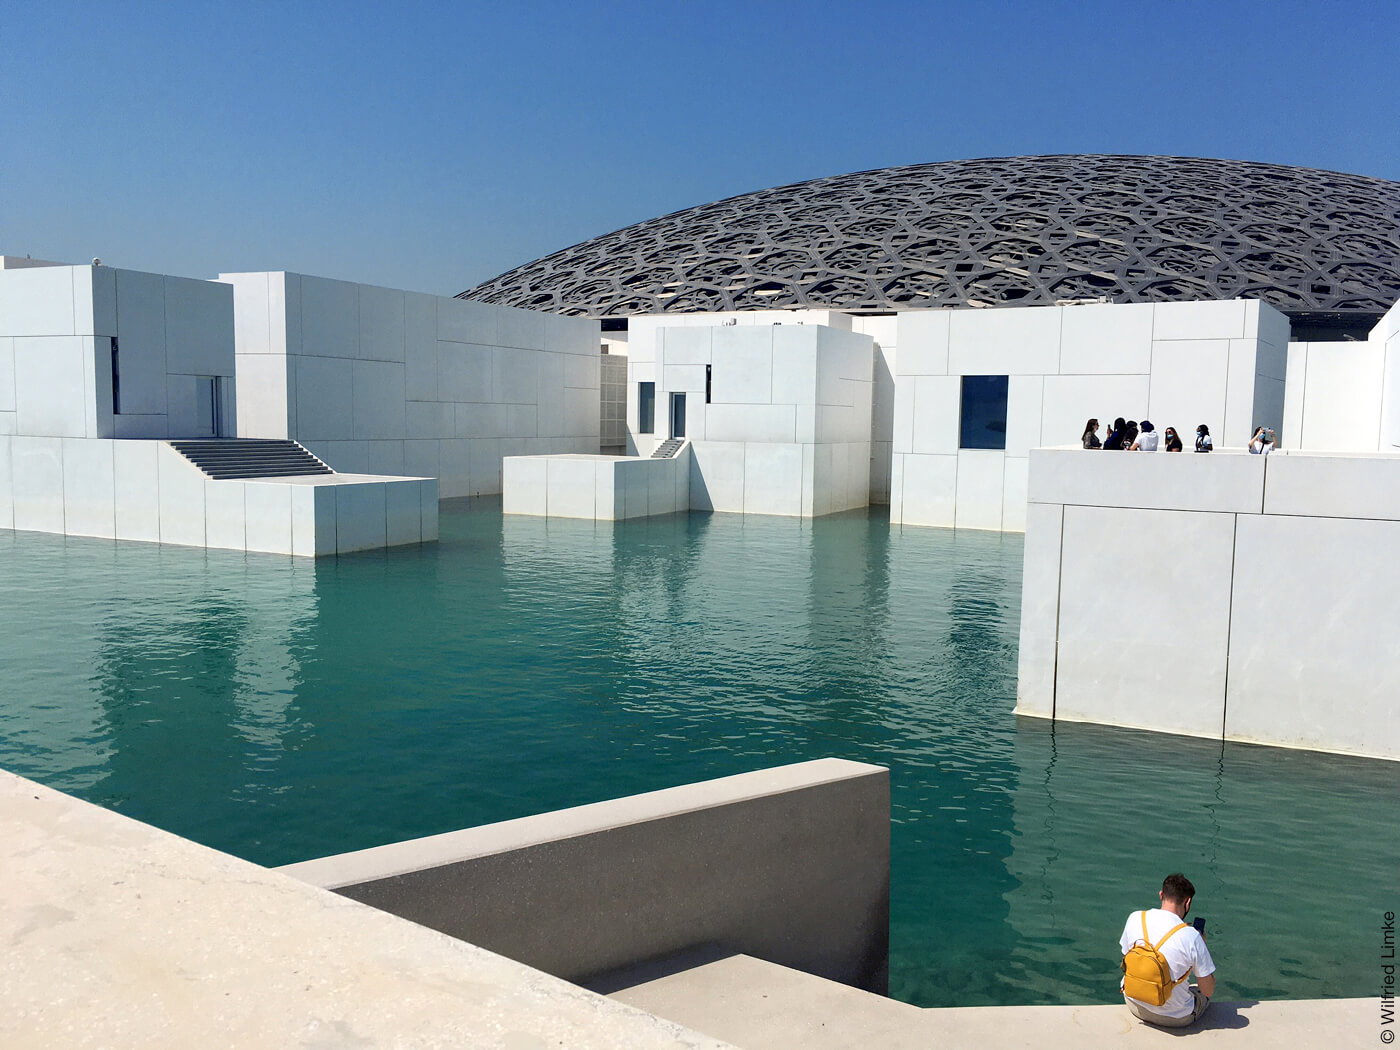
(976, 390)
(117, 392)
(1232, 596)
(97, 352)
(390, 382)
(763, 418)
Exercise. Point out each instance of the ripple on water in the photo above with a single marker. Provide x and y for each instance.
(279, 710)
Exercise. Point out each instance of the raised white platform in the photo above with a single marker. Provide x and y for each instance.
(146, 490)
(1226, 595)
(604, 488)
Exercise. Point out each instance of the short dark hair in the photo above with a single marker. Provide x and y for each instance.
(1177, 887)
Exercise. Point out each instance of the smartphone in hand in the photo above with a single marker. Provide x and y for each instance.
(1200, 925)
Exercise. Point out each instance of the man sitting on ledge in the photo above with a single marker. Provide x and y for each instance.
(1160, 951)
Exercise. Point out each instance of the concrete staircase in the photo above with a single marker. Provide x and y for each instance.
(225, 458)
(668, 448)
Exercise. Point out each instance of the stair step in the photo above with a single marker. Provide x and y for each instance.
(243, 458)
(762, 1006)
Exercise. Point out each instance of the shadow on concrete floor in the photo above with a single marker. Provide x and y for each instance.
(1218, 1016)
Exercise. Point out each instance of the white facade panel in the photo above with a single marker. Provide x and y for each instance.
(7, 374)
(981, 489)
(742, 362)
(403, 512)
(36, 478)
(1308, 664)
(225, 515)
(936, 408)
(1188, 387)
(928, 487)
(1106, 339)
(1013, 501)
(717, 476)
(1023, 341)
(50, 387)
(141, 330)
(466, 321)
(37, 301)
(1341, 392)
(1071, 401)
(772, 479)
(182, 512)
(382, 324)
(325, 388)
(1040, 608)
(1162, 663)
(922, 337)
(330, 311)
(378, 401)
(7, 484)
(1231, 482)
(1209, 319)
(89, 488)
(137, 490)
(360, 517)
(267, 512)
(199, 336)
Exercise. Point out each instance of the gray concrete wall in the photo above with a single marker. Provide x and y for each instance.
(790, 865)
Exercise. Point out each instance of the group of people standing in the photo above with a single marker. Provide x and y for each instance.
(1131, 436)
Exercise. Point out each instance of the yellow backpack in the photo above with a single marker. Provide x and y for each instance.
(1147, 977)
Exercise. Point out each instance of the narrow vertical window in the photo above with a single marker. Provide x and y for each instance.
(116, 380)
(707, 384)
(646, 408)
(983, 423)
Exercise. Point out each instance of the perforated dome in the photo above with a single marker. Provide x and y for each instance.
(1322, 246)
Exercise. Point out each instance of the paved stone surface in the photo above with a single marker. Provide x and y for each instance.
(118, 935)
(758, 1006)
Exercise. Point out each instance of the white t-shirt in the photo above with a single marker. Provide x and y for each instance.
(1184, 950)
(1147, 441)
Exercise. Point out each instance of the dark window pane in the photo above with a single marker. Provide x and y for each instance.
(646, 408)
(983, 412)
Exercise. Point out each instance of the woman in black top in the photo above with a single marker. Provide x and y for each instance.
(1115, 436)
(1091, 434)
(1173, 440)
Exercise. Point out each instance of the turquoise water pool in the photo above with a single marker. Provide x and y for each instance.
(280, 710)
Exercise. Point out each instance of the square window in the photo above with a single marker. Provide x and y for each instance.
(983, 420)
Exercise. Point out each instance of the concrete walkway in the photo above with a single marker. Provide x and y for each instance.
(759, 1006)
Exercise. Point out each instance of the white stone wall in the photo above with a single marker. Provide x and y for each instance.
(1228, 595)
(375, 380)
(57, 324)
(1345, 396)
(599, 488)
(787, 427)
(1176, 364)
(145, 490)
(884, 331)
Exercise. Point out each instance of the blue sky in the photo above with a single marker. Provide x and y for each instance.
(431, 146)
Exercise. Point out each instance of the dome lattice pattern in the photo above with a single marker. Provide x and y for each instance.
(1008, 231)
